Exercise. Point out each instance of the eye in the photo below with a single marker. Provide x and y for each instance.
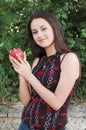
(34, 32)
(43, 29)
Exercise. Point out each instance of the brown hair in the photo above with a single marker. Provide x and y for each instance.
(59, 39)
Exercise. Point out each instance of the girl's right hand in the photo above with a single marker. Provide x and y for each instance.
(21, 66)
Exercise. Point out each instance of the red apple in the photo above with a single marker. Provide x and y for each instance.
(16, 52)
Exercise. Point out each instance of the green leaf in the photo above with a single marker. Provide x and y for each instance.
(1, 56)
(83, 33)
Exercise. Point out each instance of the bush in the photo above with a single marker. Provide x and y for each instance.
(14, 16)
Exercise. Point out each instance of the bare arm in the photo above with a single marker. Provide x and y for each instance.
(24, 87)
(24, 91)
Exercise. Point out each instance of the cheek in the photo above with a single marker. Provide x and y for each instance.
(51, 34)
(34, 38)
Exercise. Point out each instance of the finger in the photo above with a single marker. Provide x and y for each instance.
(9, 58)
(16, 68)
(22, 60)
(24, 55)
(14, 61)
(19, 58)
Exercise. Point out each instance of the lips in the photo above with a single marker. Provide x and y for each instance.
(42, 40)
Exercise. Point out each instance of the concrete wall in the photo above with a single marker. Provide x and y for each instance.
(10, 116)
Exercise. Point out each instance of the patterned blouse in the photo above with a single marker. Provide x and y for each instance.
(38, 115)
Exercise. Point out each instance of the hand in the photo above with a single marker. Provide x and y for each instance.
(22, 66)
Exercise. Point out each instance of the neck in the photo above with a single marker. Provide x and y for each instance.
(50, 50)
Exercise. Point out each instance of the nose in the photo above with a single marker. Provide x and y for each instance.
(40, 34)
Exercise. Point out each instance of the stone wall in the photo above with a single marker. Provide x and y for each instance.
(10, 116)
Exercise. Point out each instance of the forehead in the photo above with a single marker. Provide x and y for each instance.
(38, 22)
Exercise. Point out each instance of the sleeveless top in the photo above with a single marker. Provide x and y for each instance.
(38, 115)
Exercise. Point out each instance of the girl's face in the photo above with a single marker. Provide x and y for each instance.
(42, 33)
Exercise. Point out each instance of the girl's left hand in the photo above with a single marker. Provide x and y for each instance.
(22, 66)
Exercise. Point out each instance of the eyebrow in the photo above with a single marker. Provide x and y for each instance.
(40, 27)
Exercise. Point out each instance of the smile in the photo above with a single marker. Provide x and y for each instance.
(42, 40)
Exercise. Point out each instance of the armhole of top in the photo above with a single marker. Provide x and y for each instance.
(63, 58)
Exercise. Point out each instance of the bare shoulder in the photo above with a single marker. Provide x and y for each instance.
(72, 55)
(70, 58)
(35, 62)
(70, 65)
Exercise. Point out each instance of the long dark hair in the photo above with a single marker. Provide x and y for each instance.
(59, 39)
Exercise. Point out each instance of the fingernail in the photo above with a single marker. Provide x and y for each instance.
(17, 55)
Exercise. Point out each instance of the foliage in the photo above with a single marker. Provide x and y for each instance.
(14, 15)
